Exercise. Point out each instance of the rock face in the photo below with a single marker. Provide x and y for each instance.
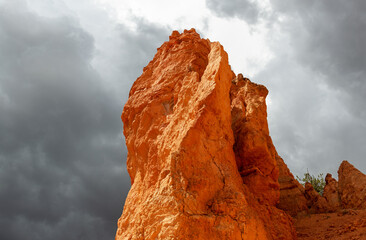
(292, 198)
(187, 127)
(331, 193)
(315, 202)
(352, 186)
(255, 154)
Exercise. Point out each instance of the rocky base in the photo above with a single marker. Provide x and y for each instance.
(345, 224)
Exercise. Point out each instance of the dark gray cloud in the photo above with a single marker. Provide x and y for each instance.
(247, 10)
(62, 153)
(327, 42)
(138, 47)
(317, 79)
(318, 83)
(330, 39)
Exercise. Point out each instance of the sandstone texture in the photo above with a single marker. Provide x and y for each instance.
(340, 213)
(315, 202)
(341, 225)
(292, 198)
(201, 162)
(255, 154)
(348, 193)
(352, 186)
(331, 193)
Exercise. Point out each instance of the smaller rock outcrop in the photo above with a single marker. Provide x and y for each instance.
(315, 202)
(349, 192)
(352, 186)
(331, 193)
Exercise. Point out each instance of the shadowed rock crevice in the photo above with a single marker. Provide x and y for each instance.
(254, 151)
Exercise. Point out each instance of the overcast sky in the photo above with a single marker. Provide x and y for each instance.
(66, 68)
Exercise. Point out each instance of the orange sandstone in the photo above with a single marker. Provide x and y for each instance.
(254, 151)
(342, 225)
(348, 193)
(331, 193)
(255, 154)
(352, 186)
(184, 172)
(292, 198)
(316, 203)
(346, 199)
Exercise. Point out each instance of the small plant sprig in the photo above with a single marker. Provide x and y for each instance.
(317, 182)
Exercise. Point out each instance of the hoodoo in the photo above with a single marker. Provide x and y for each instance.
(352, 186)
(200, 158)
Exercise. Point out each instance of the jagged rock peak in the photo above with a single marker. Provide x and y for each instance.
(191, 33)
(352, 186)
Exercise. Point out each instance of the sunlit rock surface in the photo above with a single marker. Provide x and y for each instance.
(201, 162)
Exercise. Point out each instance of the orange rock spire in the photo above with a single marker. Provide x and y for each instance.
(201, 162)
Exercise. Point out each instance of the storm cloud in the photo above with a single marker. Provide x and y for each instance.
(247, 10)
(317, 81)
(323, 52)
(62, 152)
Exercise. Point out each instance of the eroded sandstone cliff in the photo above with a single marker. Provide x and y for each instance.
(201, 162)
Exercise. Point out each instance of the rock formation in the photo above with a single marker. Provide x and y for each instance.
(331, 193)
(344, 202)
(348, 193)
(292, 198)
(255, 154)
(315, 202)
(352, 186)
(201, 162)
